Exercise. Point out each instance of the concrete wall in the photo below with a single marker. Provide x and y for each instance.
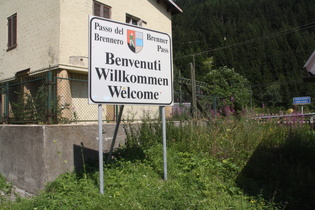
(32, 155)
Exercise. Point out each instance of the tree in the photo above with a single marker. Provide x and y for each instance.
(231, 87)
(272, 95)
(263, 40)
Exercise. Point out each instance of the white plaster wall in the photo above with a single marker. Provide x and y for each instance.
(74, 24)
(37, 35)
(155, 14)
(74, 32)
(140, 112)
(53, 32)
(74, 40)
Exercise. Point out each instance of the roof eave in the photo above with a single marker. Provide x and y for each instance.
(172, 7)
(309, 60)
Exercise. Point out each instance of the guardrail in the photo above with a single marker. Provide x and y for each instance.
(286, 115)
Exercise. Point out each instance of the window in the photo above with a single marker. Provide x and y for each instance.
(12, 31)
(134, 20)
(101, 10)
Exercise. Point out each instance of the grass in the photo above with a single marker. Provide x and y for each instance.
(5, 189)
(228, 164)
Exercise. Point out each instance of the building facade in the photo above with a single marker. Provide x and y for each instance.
(40, 38)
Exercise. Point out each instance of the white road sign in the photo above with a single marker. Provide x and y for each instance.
(129, 64)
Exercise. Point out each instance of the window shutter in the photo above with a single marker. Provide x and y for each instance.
(101, 10)
(106, 11)
(97, 9)
(12, 31)
(9, 32)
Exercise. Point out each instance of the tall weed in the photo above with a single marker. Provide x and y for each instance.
(226, 164)
(282, 168)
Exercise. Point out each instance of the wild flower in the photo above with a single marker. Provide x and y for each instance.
(212, 112)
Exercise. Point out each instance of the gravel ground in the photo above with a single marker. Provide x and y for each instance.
(14, 193)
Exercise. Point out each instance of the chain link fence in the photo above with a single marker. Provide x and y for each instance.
(22, 101)
(2, 98)
(206, 105)
(49, 99)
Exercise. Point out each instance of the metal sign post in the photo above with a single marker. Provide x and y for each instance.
(100, 148)
(128, 65)
(164, 142)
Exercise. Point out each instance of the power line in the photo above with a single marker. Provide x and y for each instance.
(281, 33)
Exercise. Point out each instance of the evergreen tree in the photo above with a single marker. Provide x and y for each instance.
(266, 41)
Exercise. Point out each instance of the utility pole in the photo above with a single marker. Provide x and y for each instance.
(180, 89)
(193, 90)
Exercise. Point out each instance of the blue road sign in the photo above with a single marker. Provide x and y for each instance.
(301, 100)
